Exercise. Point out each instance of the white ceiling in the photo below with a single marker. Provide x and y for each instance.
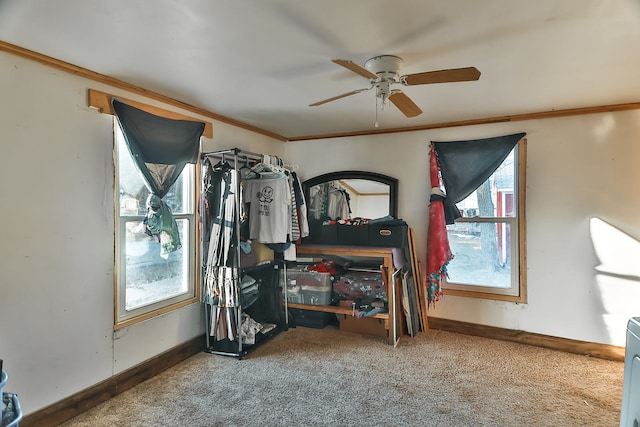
(263, 62)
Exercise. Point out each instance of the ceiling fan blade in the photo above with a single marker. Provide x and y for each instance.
(350, 65)
(324, 101)
(405, 104)
(442, 76)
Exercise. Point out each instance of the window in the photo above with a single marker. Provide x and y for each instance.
(148, 284)
(488, 240)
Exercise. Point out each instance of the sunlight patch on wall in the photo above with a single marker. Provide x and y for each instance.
(604, 127)
(617, 277)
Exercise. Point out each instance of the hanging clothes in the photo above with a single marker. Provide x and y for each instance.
(338, 202)
(223, 215)
(262, 202)
(270, 209)
(294, 232)
(221, 273)
(319, 199)
(330, 202)
(299, 208)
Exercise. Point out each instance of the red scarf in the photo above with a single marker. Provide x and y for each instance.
(438, 250)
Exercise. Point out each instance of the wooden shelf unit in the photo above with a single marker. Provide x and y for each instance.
(391, 319)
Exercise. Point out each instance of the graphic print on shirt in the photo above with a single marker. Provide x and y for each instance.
(265, 197)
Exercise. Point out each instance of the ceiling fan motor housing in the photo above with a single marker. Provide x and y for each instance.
(387, 67)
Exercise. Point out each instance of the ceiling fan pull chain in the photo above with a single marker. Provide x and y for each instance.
(376, 123)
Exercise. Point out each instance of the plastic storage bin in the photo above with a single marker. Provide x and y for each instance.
(309, 287)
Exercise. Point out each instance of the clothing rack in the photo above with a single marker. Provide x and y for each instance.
(235, 157)
(235, 153)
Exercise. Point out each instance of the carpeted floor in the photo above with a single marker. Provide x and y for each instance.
(310, 377)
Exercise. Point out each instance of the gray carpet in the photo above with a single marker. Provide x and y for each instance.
(325, 377)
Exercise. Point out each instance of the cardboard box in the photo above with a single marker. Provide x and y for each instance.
(364, 325)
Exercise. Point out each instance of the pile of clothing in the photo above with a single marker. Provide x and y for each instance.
(364, 289)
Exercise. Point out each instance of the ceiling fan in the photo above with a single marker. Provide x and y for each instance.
(384, 71)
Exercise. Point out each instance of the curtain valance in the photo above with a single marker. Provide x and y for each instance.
(465, 165)
(160, 147)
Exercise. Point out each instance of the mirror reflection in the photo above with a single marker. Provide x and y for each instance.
(349, 195)
(349, 199)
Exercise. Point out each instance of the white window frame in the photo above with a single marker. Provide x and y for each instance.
(122, 316)
(517, 292)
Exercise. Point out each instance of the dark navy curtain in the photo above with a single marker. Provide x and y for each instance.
(160, 148)
(465, 165)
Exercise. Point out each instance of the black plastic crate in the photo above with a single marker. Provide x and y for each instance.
(312, 319)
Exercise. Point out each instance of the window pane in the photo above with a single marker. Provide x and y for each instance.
(134, 192)
(482, 254)
(496, 197)
(146, 281)
(485, 242)
(150, 278)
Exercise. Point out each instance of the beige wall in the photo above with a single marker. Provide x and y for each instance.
(578, 168)
(56, 252)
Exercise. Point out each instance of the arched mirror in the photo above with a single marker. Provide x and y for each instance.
(350, 194)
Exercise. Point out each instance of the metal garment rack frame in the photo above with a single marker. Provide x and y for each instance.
(223, 155)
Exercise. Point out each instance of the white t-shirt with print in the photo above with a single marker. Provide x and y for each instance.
(270, 209)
